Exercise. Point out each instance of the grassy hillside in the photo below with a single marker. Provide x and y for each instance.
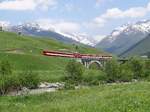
(11, 42)
(140, 48)
(106, 98)
(25, 53)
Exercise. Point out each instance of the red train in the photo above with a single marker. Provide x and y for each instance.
(75, 55)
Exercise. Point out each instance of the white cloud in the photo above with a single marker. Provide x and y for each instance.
(4, 23)
(60, 25)
(68, 26)
(26, 4)
(116, 13)
(98, 38)
(99, 22)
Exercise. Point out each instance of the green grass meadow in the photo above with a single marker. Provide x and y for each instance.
(105, 98)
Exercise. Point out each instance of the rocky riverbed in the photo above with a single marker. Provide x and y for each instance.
(42, 88)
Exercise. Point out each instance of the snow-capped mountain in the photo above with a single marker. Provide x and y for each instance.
(36, 29)
(82, 38)
(125, 36)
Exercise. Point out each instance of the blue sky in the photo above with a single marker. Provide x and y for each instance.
(94, 18)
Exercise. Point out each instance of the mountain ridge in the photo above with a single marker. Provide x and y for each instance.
(140, 48)
(122, 38)
(35, 29)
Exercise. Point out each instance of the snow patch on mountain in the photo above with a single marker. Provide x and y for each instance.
(141, 26)
(82, 38)
(38, 27)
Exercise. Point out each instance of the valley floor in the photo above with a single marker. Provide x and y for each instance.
(132, 97)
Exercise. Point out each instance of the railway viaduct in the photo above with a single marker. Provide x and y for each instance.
(85, 59)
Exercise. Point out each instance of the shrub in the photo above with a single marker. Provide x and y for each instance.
(94, 77)
(74, 72)
(69, 86)
(5, 68)
(95, 66)
(137, 66)
(2, 85)
(6, 77)
(126, 73)
(11, 82)
(147, 69)
(29, 79)
(112, 70)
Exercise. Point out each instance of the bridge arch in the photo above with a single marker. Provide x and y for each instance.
(98, 63)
